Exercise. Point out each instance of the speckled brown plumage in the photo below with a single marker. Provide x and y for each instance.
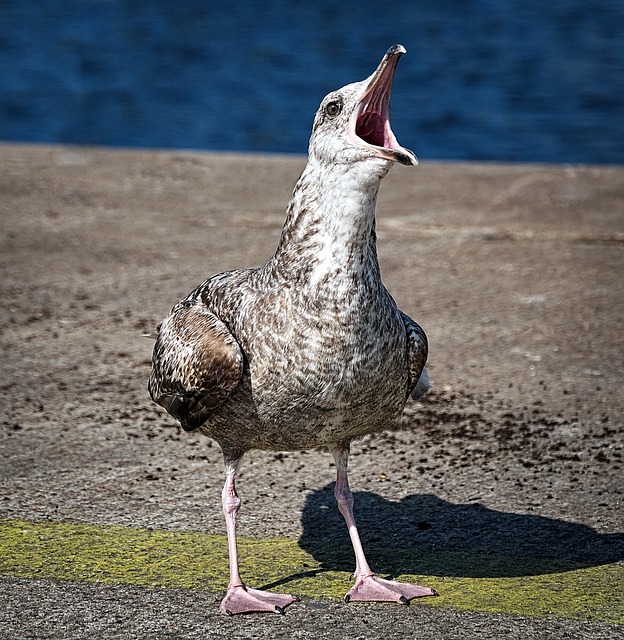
(309, 350)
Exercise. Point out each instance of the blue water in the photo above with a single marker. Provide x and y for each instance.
(504, 80)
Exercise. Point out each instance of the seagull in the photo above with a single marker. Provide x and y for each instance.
(310, 350)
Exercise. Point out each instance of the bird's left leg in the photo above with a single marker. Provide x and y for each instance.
(240, 598)
(368, 587)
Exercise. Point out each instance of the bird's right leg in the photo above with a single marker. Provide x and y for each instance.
(368, 587)
(240, 598)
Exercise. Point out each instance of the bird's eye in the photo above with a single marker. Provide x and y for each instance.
(333, 108)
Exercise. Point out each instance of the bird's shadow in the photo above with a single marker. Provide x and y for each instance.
(426, 535)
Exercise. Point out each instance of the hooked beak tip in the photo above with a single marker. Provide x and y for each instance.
(396, 49)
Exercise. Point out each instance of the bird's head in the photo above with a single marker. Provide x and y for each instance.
(353, 123)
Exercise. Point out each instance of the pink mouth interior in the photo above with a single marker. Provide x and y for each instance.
(370, 127)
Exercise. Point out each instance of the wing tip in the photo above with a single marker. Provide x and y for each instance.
(422, 386)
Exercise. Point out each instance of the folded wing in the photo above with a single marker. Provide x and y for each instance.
(196, 364)
(417, 351)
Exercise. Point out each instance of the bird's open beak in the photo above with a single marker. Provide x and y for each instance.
(370, 122)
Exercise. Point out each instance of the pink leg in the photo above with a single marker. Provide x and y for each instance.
(368, 587)
(240, 598)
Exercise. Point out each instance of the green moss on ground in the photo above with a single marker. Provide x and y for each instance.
(167, 559)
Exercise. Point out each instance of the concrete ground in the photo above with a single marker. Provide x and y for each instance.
(515, 273)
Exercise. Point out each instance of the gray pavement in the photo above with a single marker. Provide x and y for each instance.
(515, 272)
(30, 609)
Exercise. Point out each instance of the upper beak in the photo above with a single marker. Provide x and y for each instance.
(370, 122)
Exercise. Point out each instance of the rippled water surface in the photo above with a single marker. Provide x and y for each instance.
(523, 80)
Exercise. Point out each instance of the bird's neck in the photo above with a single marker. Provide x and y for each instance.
(329, 230)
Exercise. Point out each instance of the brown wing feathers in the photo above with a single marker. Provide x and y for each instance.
(197, 363)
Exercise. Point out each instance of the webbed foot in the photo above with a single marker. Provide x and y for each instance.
(373, 589)
(242, 599)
